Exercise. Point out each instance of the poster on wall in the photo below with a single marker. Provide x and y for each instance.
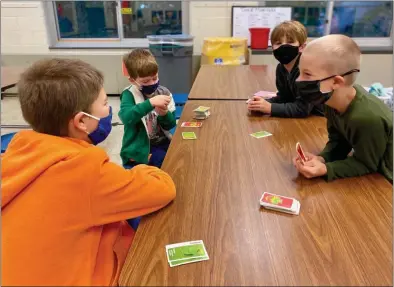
(244, 18)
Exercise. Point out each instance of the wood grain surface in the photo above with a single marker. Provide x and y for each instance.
(343, 235)
(232, 82)
(10, 76)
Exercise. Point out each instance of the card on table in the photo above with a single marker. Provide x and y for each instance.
(280, 203)
(191, 124)
(189, 136)
(201, 109)
(300, 152)
(262, 134)
(186, 252)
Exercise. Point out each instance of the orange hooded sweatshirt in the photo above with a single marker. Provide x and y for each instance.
(63, 211)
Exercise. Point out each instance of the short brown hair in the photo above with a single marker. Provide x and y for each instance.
(337, 54)
(291, 30)
(52, 91)
(140, 63)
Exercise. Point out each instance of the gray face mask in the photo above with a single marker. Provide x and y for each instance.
(310, 90)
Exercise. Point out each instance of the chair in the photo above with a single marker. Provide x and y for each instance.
(5, 140)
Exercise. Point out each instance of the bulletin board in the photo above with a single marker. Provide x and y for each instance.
(245, 17)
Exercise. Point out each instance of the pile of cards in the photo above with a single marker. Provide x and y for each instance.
(280, 203)
(201, 113)
(186, 252)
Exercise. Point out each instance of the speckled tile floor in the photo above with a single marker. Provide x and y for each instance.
(11, 114)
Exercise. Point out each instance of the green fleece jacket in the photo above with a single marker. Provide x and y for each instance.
(367, 128)
(133, 108)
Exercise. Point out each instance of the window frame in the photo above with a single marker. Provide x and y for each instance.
(96, 43)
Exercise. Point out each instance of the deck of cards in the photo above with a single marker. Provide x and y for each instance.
(201, 113)
(186, 252)
(280, 203)
(189, 136)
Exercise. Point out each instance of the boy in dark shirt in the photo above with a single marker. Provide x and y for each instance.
(288, 40)
(356, 120)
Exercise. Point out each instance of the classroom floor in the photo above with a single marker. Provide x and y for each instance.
(11, 114)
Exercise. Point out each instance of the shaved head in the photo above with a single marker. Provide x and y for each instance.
(335, 54)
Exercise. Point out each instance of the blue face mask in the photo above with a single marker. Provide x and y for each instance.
(103, 129)
(148, 90)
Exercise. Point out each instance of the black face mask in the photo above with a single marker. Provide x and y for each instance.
(286, 53)
(310, 90)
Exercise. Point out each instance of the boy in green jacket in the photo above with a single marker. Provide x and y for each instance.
(356, 120)
(147, 111)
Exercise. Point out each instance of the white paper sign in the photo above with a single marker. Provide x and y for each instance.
(262, 17)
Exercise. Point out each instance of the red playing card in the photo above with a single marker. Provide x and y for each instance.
(300, 152)
(277, 200)
(191, 124)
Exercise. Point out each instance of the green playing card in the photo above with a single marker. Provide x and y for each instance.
(262, 134)
(186, 252)
(189, 136)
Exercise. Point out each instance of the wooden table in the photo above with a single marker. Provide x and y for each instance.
(343, 235)
(10, 77)
(232, 82)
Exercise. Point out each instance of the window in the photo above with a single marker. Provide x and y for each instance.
(124, 24)
(311, 14)
(83, 19)
(112, 23)
(143, 18)
(362, 19)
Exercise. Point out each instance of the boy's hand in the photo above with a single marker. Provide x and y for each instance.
(161, 112)
(259, 104)
(160, 101)
(312, 168)
(309, 156)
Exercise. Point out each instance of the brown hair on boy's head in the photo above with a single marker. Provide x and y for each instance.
(140, 63)
(52, 91)
(291, 30)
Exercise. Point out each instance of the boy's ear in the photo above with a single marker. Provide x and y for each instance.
(302, 47)
(78, 122)
(339, 82)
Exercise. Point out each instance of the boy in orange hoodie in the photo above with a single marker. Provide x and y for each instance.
(64, 205)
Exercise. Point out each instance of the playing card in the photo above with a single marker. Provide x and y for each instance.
(277, 200)
(300, 152)
(201, 109)
(262, 134)
(191, 124)
(189, 136)
(186, 252)
(265, 94)
(280, 203)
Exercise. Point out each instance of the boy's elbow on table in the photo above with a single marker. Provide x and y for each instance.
(161, 185)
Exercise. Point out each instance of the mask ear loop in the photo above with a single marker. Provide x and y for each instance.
(345, 74)
(90, 116)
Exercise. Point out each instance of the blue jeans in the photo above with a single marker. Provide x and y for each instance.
(158, 154)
